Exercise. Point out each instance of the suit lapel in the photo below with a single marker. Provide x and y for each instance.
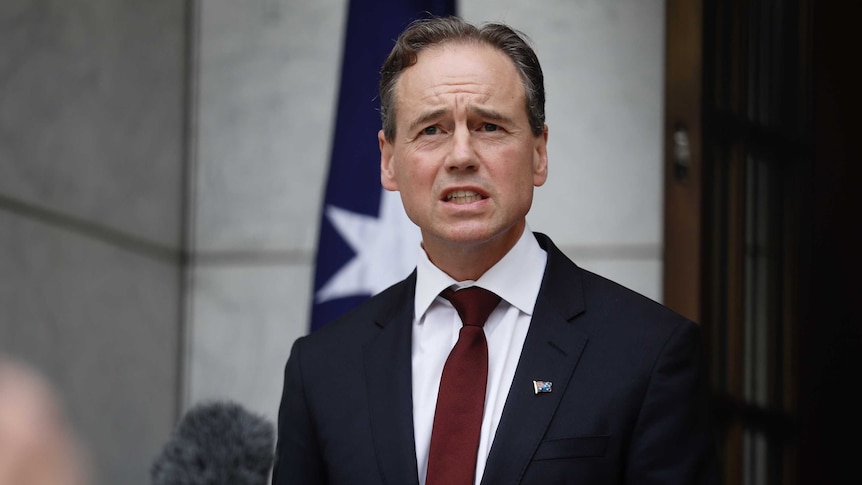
(389, 385)
(551, 352)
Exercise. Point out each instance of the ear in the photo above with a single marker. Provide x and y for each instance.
(387, 163)
(540, 158)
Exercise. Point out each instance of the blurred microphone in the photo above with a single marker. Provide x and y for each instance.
(217, 443)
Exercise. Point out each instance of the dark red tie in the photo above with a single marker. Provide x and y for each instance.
(461, 399)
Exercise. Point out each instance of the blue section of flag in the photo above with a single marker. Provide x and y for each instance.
(354, 172)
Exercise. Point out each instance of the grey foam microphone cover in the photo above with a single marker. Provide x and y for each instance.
(216, 443)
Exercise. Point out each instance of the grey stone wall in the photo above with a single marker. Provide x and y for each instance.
(92, 143)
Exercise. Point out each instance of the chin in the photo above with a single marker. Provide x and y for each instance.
(472, 234)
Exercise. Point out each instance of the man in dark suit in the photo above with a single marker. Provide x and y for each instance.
(581, 380)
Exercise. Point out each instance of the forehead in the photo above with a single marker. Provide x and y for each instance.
(478, 71)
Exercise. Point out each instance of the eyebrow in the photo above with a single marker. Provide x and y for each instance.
(491, 114)
(426, 118)
(437, 113)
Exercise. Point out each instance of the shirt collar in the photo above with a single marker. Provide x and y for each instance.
(526, 260)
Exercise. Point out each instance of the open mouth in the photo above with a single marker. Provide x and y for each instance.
(463, 197)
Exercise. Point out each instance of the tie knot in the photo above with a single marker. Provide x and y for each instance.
(473, 304)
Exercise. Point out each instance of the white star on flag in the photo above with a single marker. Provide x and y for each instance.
(386, 247)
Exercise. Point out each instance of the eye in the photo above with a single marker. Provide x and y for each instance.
(430, 130)
(490, 127)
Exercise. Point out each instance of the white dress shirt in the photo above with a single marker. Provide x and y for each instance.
(516, 279)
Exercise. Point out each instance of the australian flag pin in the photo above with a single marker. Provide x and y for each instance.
(542, 386)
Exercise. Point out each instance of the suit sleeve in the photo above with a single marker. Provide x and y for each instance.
(673, 442)
(297, 456)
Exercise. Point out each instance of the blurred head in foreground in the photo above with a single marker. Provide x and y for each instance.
(36, 446)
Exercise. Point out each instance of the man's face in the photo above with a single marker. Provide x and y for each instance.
(464, 157)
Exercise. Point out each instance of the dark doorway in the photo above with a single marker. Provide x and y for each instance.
(761, 245)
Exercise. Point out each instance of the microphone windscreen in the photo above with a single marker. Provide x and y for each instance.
(217, 443)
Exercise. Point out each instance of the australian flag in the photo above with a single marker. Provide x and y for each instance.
(366, 243)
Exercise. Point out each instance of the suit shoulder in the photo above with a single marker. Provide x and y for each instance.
(365, 318)
(603, 302)
(628, 307)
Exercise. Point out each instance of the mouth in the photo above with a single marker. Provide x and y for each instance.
(463, 197)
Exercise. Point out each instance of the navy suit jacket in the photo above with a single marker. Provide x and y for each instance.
(628, 403)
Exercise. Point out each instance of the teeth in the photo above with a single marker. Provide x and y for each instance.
(463, 196)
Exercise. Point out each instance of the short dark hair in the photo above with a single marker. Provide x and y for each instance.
(425, 33)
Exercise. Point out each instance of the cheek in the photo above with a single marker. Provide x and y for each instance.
(520, 185)
(416, 174)
(415, 186)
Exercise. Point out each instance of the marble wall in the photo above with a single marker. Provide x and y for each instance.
(267, 78)
(135, 133)
(92, 111)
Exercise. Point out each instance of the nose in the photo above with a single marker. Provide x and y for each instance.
(462, 154)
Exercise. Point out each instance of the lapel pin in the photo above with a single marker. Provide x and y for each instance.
(542, 386)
